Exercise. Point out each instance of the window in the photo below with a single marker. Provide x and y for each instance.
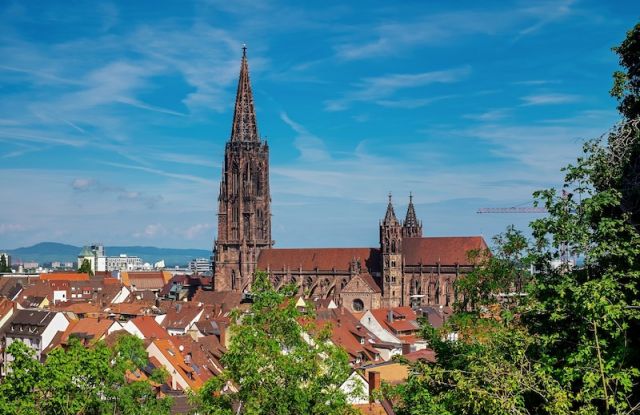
(358, 305)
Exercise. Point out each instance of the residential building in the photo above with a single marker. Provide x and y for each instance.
(34, 328)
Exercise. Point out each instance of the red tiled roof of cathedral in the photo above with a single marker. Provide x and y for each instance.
(321, 258)
(448, 250)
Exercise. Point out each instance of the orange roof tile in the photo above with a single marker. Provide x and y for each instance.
(176, 359)
(150, 328)
(64, 276)
(404, 319)
(93, 329)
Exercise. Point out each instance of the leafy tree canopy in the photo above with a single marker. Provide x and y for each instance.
(79, 380)
(278, 364)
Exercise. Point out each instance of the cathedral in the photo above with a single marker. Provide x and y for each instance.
(406, 269)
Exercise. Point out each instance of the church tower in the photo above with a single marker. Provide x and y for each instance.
(244, 203)
(391, 250)
(411, 228)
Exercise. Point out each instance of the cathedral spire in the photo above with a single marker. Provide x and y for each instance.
(390, 216)
(412, 227)
(245, 127)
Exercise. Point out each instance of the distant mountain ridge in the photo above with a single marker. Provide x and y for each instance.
(44, 252)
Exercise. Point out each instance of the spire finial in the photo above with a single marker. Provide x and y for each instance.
(244, 116)
(389, 197)
(410, 197)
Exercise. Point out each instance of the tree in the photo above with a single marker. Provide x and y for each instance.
(572, 347)
(487, 371)
(587, 316)
(624, 143)
(277, 365)
(85, 268)
(501, 271)
(79, 380)
(4, 267)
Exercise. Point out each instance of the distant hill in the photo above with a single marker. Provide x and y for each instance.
(44, 252)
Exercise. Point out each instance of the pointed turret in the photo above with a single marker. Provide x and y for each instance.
(245, 127)
(390, 216)
(412, 228)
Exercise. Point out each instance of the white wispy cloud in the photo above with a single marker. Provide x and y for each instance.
(549, 99)
(180, 176)
(151, 231)
(490, 115)
(8, 228)
(390, 37)
(97, 187)
(376, 89)
(311, 147)
(198, 230)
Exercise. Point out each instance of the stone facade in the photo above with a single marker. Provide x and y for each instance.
(244, 203)
(406, 269)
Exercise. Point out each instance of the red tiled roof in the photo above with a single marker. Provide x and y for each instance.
(404, 321)
(80, 308)
(346, 332)
(424, 354)
(226, 300)
(176, 359)
(64, 276)
(94, 328)
(321, 258)
(449, 250)
(128, 309)
(145, 280)
(5, 306)
(180, 314)
(149, 328)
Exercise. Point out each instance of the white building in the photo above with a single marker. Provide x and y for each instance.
(34, 328)
(200, 265)
(123, 263)
(95, 255)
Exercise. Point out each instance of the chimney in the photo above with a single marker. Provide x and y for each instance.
(406, 348)
(374, 384)
(390, 316)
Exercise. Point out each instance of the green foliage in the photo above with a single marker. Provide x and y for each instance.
(271, 364)
(4, 267)
(79, 380)
(85, 267)
(502, 271)
(572, 347)
(626, 84)
(487, 371)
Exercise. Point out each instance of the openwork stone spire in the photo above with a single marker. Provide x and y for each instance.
(412, 227)
(245, 127)
(390, 216)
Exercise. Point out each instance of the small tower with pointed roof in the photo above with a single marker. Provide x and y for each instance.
(411, 228)
(391, 255)
(244, 202)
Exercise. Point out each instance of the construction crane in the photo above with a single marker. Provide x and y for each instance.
(528, 209)
(564, 249)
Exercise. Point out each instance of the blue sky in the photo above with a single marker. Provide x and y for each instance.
(114, 115)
